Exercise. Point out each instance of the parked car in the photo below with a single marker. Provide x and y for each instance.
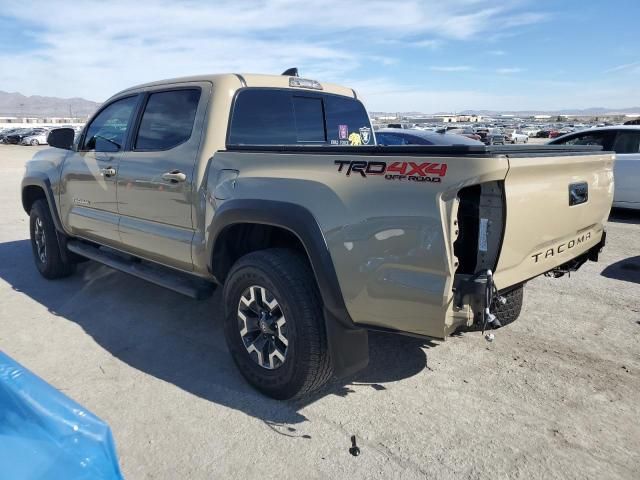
(467, 132)
(39, 138)
(7, 132)
(516, 136)
(625, 141)
(400, 136)
(16, 138)
(543, 133)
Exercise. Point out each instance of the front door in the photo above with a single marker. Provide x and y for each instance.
(155, 180)
(88, 183)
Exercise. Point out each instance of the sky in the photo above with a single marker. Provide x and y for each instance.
(400, 55)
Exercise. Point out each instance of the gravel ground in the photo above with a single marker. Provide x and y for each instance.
(556, 395)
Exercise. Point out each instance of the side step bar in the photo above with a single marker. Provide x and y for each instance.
(178, 282)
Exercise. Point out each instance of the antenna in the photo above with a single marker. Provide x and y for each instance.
(291, 72)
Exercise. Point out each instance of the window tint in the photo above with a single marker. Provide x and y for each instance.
(168, 119)
(263, 117)
(347, 121)
(309, 117)
(627, 142)
(416, 140)
(108, 130)
(285, 117)
(384, 138)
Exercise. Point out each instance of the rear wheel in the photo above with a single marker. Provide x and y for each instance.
(510, 311)
(274, 323)
(50, 261)
(35, 142)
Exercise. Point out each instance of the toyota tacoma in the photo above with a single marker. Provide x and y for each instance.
(273, 187)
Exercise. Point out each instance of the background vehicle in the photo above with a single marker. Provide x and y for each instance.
(16, 137)
(35, 138)
(8, 132)
(397, 136)
(543, 133)
(515, 136)
(273, 187)
(625, 141)
(467, 132)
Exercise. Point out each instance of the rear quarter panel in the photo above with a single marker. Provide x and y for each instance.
(391, 241)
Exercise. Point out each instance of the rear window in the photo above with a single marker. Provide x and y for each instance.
(290, 117)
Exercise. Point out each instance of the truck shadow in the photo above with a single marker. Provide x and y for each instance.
(180, 340)
(627, 270)
(622, 215)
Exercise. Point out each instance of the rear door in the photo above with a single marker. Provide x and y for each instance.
(155, 181)
(627, 169)
(88, 194)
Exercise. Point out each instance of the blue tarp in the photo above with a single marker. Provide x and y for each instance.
(46, 435)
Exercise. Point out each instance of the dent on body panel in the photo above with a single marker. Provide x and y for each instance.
(391, 269)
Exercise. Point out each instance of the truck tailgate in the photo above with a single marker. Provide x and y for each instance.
(543, 230)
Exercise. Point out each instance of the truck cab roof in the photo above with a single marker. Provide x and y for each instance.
(235, 81)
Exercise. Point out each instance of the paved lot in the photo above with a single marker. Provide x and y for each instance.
(557, 395)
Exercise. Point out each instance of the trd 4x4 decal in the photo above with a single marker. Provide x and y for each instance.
(410, 171)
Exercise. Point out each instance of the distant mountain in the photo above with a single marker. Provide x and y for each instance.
(17, 105)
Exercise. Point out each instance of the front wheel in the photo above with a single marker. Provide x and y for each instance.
(50, 261)
(274, 324)
(35, 142)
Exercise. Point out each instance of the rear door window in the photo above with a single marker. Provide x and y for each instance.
(604, 139)
(168, 119)
(627, 142)
(286, 117)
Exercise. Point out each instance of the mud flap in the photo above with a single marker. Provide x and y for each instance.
(348, 346)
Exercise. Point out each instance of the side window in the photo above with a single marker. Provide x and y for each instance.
(627, 142)
(347, 121)
(108, 130)
(603, 139)
(385, 138)
(168, 119)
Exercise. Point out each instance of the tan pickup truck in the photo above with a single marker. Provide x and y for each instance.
(274, 187)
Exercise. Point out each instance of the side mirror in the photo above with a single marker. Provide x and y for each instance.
(61, 138)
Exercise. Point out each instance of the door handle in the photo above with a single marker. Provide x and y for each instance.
(174, 176)
(108, 172)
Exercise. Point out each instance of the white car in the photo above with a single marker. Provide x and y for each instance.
(516, 136)
(625, 141)
(39, 139)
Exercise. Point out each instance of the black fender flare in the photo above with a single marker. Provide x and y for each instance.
(348, 344)
(41, 180)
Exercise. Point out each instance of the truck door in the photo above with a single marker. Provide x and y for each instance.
(156, 180)
(626, 170)
(88, 180)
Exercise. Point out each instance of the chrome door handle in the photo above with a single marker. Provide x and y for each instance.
(174, 176)
(108, 172)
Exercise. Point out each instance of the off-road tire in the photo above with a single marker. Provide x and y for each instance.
(287, 275)
(54, 264)
(510, 311)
